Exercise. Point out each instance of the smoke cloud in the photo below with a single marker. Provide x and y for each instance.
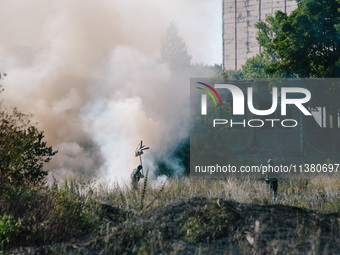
(90, 73)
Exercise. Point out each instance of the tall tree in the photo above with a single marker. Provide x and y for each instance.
(306, 43)
(174, 49)
(255, 67)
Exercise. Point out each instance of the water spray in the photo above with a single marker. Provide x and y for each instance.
(140, 151)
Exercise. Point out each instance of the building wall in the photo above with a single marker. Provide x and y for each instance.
(239, 33)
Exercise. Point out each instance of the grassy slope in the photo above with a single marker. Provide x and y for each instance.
(183, 216)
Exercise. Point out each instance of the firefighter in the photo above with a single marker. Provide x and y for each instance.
(135, 176)
(272, 182)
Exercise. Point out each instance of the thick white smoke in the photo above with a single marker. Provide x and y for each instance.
(89, 72)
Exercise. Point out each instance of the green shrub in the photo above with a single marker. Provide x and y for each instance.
(51, 214)
(76, 209)
(9, 230)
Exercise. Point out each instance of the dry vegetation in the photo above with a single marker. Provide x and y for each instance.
(182, 216)
(321, 195)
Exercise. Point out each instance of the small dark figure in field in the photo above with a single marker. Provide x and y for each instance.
(272, 182)
(135, 176)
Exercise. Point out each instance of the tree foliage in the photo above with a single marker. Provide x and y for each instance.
(305, 43)
(268, 31)
(255, 66)
(174, 49)
(22, 149)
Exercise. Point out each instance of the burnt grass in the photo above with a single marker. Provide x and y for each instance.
(207, 226)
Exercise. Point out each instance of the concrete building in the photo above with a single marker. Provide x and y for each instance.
(239, 32)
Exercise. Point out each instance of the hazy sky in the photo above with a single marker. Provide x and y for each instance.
(27, 23)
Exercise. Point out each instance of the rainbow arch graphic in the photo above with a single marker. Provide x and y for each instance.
(209, 93)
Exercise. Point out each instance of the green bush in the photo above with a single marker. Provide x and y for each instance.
(23, 152)
(50, 214)
(76, 206)
(9, 230)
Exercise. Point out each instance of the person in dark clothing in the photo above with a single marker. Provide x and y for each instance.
(272, 182)
(135, 176)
